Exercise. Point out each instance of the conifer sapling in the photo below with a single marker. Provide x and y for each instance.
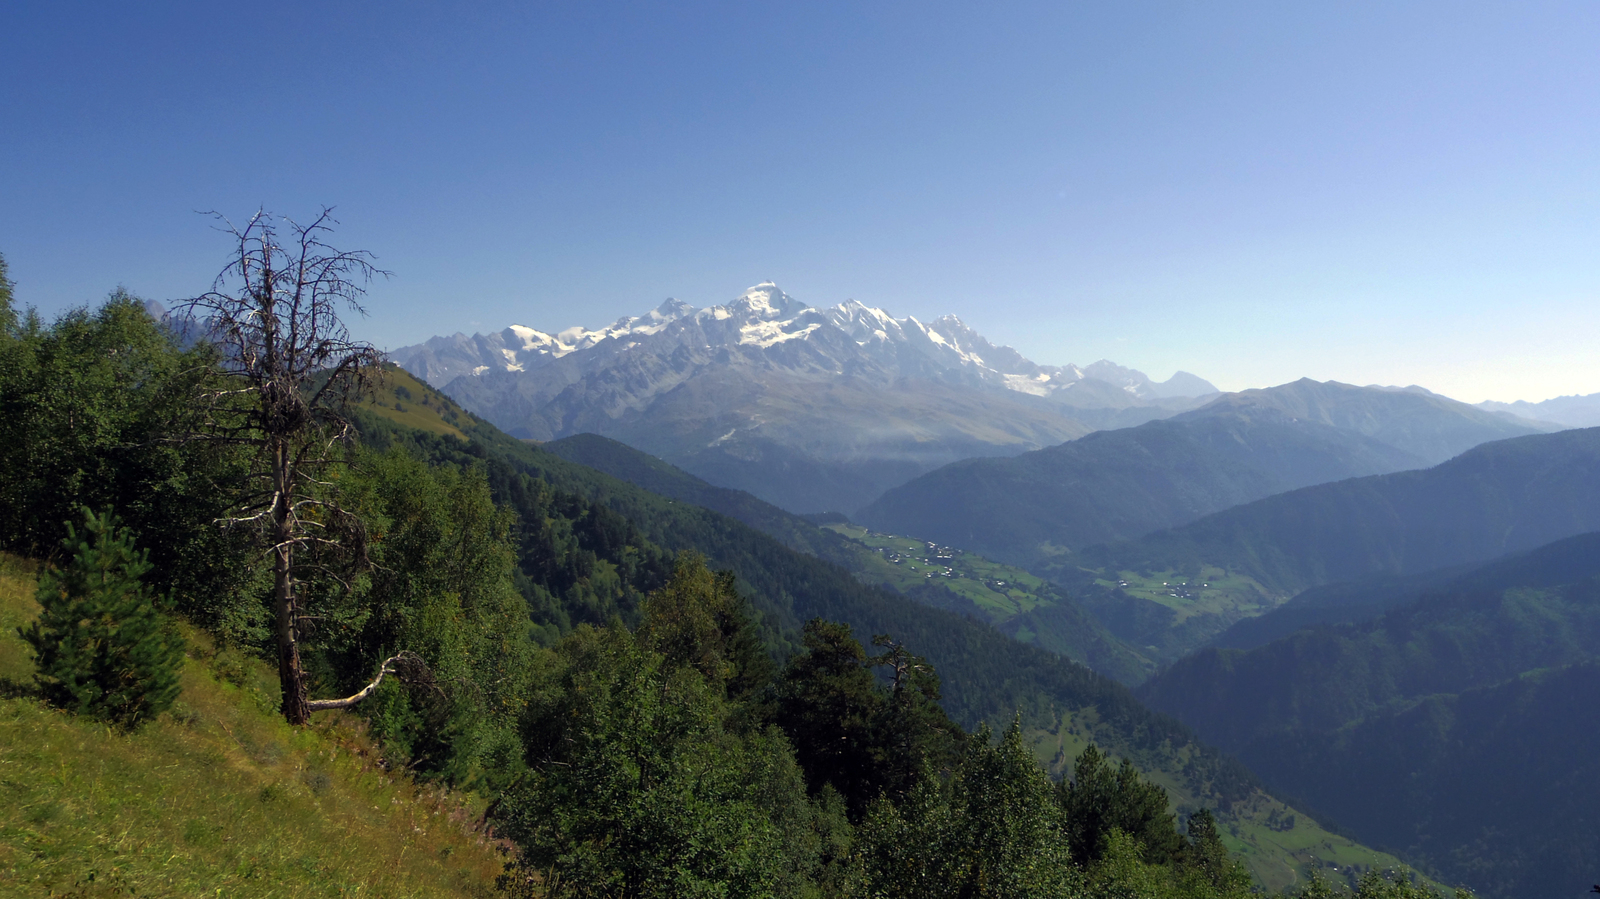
(102, 647)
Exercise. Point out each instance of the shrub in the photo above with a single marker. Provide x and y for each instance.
(103, 648)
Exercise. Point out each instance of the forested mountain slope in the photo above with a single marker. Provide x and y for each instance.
(1055, 621)
(1495, 499)
(986, 676)
(1239, 447)
(1494, 787)
(1537, 610)
(1119, 485)
(1457, 728)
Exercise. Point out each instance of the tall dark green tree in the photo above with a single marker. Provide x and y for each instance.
(862, 738)
(101, 646)
(8, 313)
(1101, 797)
(828, 706)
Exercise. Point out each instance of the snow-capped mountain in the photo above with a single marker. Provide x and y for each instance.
(765, 317)
(811, 408)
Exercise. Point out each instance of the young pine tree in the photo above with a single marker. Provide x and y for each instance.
(102, 648)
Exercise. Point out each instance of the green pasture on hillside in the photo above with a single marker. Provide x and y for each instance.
(216, 798)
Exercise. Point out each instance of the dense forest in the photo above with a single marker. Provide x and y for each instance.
(1455, 727)
(654, 699)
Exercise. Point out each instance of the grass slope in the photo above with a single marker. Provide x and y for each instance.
(1024, 607)
(217, 798)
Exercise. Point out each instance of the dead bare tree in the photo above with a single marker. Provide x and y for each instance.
(275, 311)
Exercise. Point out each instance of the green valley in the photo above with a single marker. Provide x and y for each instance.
(905, 564)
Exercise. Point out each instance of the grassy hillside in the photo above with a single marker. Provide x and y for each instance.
(1492, 500)
(1020, 605)
(986, 675)
(217, 798)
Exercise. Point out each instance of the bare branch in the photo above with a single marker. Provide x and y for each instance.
(406, 665)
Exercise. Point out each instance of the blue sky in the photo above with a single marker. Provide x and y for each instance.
(1384, 193)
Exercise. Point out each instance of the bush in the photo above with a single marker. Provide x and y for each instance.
(102, 647)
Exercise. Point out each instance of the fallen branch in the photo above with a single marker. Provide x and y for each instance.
(408, 665)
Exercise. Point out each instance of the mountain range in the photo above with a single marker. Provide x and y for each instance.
(786, 573)
(1173, 590)
(1239, 447)
(813, 409)
(1569, 411)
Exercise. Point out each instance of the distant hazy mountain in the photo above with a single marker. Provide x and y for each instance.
(809, 408)
(1498, 498)
(1572, 411)
(1429, 426)
(1118, 485)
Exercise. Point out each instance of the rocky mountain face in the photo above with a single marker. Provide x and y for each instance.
(813, 409)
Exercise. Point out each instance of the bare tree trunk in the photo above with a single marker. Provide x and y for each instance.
(289, 673)
(285, 603)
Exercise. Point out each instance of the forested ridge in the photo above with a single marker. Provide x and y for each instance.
(654, 699)
(1497, 498)
(1456, 728)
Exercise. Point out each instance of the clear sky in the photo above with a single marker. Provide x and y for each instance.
(1388, 193)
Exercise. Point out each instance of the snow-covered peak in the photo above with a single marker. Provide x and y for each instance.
(765, 302)
(763, 318)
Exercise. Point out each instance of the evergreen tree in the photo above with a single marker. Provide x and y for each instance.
(1101, 797)
(102, 647)
(1208, 860)
(827, 704)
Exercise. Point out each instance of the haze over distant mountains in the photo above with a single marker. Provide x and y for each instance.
(1571, 411)
(1239, 447)
(812, 409)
